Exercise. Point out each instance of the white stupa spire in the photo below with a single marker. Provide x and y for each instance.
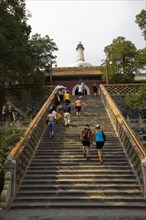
(80, 52)
(80, 57)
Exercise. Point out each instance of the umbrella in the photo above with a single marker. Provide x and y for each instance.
(60, 87)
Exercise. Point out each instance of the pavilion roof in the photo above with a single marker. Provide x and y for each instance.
(77, 71)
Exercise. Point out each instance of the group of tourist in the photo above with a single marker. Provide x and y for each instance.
(61, 107)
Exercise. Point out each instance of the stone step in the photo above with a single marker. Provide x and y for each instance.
(80, 163)
(76, 132)
(32, 180)
(68, 141)
(77, 150)
(76, 198)
(76, 171)
(76, 141)
(80, 160)
(45, 194)
(76, 156)
(69, 176)
(63, 152)
(91, 186)
(76, 146)
(82, 166)
(109, 142)
(98, 204)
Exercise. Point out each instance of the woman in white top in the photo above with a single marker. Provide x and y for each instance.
(50, 122)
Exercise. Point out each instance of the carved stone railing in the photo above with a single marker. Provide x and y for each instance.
(21, 154)
(123, 89)
(132, 146)
(16, 90)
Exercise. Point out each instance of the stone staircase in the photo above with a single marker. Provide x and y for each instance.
(58, 175)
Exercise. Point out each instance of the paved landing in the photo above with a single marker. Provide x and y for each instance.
(74, 214)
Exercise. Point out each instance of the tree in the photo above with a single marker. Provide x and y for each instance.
(14, 35)
(137, 101)
(43, 48)
(22, 60)
(141, 21)
(140, 59)
(121, 54)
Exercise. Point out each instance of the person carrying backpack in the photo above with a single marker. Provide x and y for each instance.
(85, 138)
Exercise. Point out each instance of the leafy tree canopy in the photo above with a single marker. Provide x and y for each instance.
(14, 35)
(140, 58)
(121, 54)
(43, 48)
(22, 58)
(141, 21)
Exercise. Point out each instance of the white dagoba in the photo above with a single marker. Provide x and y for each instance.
(80, 57)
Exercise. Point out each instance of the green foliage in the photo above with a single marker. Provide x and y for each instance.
(22, 60)
(133, 101)
(14, 35)
(140, 58)
(142, 92)
(122, 78)
(8, 138)
(121, 54)
(138, 100)
(141, 21)
(37, 88)
(42, 51)
(26, 96)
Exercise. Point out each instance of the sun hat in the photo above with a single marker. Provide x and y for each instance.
(97, 126)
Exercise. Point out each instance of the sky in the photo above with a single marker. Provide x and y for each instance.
(94, 23)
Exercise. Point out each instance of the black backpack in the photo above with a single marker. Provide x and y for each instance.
(86, 134)
(67, 109)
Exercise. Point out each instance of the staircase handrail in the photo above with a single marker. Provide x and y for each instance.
(19, 157)
(121, 117)
(131, 144)
(31, 125)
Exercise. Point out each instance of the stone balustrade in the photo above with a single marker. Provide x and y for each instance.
(21, 154)
(123, 89)
(131, 144)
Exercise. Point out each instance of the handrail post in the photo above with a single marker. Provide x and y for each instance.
(10, 166)
(9, 188)
(143, 162)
